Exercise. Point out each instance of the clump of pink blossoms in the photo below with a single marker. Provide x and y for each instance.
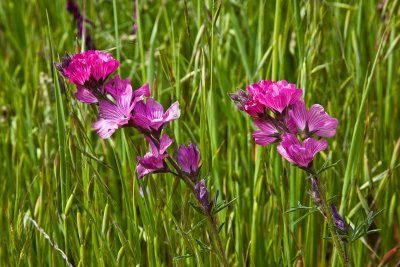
(120, 106)
(281, 116)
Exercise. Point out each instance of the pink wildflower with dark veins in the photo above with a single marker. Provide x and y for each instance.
(300, 154)
(314, 121)
(267, 133)
(150, 115)
(89, 70)
(277, 96)
(153, 161)
(188, 159)
(115, 115)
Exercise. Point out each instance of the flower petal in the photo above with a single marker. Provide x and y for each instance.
(267, 133)
(84, 95)
(298, 115)
(165, 142)
(320, 122)
(172, 113)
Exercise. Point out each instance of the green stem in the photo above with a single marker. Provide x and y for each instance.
(215, 231)
(211, 219)
(328, 217)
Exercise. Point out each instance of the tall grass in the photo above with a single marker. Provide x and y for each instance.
(83, 191)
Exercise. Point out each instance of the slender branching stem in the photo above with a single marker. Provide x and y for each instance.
(211, 218)
(215, 231)
(328, 217)
(191, 184)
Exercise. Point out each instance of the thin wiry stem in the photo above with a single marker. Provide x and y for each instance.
(211, 218)
(328, 217)
(52, 243)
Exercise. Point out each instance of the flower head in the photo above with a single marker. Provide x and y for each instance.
(267, 133)
(90, 69)
(277, 96)
(150, 115)
(188, 158)
(314, 121)
(153, 162)
(339, 221)
(300, 154)
(202, 194)
(115, 115)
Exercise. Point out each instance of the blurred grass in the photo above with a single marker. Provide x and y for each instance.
(83, 191)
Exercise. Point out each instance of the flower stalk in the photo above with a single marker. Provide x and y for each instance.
(327, 212)
(212, 220)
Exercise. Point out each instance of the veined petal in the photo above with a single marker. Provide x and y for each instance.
(105, 128)
(315, 146)
(320, 122)
(85, 96)
(267, 133)
(298, 115)
(141, 120)
(142, 91)
(165, 142)
(117, 86)
(172, 113)
(154, 110)
(111, 111)
(188, 158)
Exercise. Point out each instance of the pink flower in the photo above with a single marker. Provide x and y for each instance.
(115, 115)
(277, 96)
(151, 116)
(300, 154)
(267, 133)
(188, 158)
(90, 69)
(153, 161)
(315, 121)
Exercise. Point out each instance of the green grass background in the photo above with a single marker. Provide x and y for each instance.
(83, 191)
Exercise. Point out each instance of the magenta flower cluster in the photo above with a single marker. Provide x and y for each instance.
(120, 106)
(280, 115)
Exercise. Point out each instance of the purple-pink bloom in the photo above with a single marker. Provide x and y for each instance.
(153, 161)
(277, 96)
(267, 133)
(300, 154)
(202, 194)
(151, 116)
(314, 121)
(188, 158)
(90, 69)
(244, 101)
(115, 115)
